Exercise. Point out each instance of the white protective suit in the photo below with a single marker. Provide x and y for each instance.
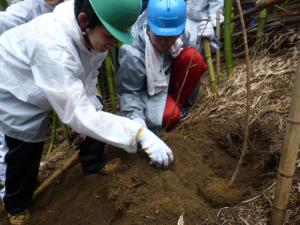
(50, 67)
(22, 12)
(202, 14)
(137, 101)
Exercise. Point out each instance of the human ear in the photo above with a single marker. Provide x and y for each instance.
(82, 20)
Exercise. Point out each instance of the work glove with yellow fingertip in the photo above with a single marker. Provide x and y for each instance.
(159, 153)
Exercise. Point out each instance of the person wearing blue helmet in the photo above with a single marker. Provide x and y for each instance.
(202, 17)
(155, 79)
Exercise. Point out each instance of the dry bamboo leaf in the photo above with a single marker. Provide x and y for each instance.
(180, 220)
(298, 187)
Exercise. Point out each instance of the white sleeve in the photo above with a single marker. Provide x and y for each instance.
(199, 10)
(215, 6)
(16, 14)
(56, 71)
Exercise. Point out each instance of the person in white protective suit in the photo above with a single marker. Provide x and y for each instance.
(23, 11)
(50, 63)
(202, 17)
(154, 81)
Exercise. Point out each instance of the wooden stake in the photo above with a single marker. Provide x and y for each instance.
(288, 158)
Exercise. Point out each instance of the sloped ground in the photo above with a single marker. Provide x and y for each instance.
(206, 147)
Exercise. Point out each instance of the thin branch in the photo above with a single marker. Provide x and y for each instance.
(246, 131)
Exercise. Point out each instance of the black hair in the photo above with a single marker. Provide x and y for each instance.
(86, 7)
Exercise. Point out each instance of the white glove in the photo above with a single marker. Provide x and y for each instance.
(159, 153)
(206, 29)
(140, 121)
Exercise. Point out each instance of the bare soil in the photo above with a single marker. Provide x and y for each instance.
(196, 185)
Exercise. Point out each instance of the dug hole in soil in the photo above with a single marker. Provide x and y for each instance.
(196, 185)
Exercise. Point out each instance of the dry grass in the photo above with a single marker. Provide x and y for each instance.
(257, 210)
(271, 84)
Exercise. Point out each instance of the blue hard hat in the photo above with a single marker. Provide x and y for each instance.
(167, 17)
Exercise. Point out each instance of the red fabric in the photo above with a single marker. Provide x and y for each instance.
(171, 114)
(179, 88)
(179, 71)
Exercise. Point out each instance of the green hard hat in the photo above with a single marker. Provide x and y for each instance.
(118, 16)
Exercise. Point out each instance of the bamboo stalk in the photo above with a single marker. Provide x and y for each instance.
(110, 81)
(294, 19)
(212, 79)
(259, 6)
(114, 67)
(285, 3)
(67, 134)
(260, 29)
(288, 158)
(114, 59)
(103, 86)
(228, 38)
(248, 88)
(55, 175)
(218, 55)
(53, 133)
(3, 5)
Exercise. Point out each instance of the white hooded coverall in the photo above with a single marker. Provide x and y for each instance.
(22, 12)
(45, 66)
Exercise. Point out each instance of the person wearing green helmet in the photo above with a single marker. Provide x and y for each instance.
(50, 63)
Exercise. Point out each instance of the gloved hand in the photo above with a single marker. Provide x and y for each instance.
(206, 29)
(140, 121)
(159, 153)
